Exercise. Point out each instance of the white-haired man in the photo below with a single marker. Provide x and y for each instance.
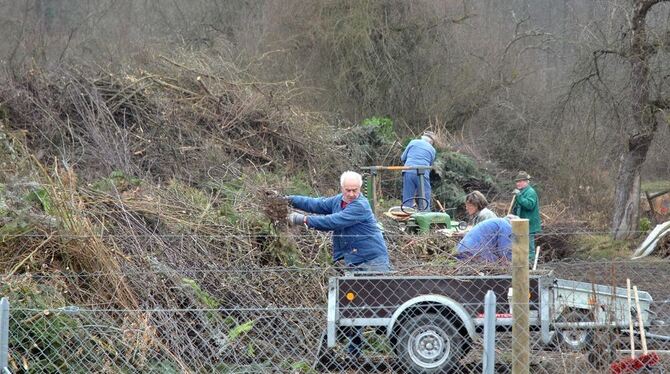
(357, 238)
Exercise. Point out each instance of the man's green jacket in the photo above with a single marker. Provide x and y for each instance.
(527, 205)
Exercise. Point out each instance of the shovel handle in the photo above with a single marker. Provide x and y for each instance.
(643, 337)
(630, 321)
(511, 205)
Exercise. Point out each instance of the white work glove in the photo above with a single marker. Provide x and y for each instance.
(516, 191)
(296, 219)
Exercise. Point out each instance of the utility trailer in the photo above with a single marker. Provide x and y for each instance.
(432, 321)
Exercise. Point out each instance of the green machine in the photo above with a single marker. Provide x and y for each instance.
(370, 187)
(410, 219)
(425, 222)
(422, 222)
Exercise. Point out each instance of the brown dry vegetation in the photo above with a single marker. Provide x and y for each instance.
(135, 151)
(138, 191)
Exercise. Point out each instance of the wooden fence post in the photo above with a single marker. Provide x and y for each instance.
(520, 295)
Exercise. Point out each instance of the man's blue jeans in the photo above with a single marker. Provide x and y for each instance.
(378, 264)
(410, 189)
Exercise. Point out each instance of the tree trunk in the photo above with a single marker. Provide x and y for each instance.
(627, 190)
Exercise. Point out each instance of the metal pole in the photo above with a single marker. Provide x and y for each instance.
(373, 190)
(419, 174)
(489, 357)
(520, 295)
(4, 334)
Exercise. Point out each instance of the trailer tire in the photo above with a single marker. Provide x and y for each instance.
(429, 343)
(575, 340)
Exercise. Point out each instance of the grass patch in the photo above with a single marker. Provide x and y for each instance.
(655, 186)
(600, 247)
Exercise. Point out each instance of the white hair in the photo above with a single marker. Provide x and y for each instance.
(427, 139)
(349, 175)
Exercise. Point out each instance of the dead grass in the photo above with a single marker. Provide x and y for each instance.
(600, 247)
(655, 186)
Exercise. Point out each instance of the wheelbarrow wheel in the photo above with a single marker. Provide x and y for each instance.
(575, 339)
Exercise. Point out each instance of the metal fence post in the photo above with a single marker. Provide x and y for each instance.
(4, 334)
(489, 357)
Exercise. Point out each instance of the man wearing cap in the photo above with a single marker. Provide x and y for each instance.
(419, 152)
(527, 206)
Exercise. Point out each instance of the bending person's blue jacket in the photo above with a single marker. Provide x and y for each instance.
(418, 153)
(356, 236)
(490, 240)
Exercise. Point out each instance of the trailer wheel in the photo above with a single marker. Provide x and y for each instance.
(575, 339)
(428, 343)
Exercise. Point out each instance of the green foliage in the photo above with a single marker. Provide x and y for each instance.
(190, 196)
(281, 249)
(15, 227)
(382, 125)
(39, 334)
(162, 367)
(240, 330)
(376, 343)
(203, 296)
(302, 367)
(41, 196)
(4, 112)
(299, 186)
(117, 181)
(455, 176)
(365, 145)
(645, 224)
(237, 332)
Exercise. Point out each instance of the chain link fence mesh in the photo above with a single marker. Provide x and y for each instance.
(275, 320)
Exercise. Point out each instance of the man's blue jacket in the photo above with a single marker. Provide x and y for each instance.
(356, 236)
(418, 153)
(490, 240)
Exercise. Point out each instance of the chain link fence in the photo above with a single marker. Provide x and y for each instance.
(420, 318)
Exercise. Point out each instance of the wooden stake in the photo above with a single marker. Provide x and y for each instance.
(630, 321)
(643, 336)
(520, 294)
(509, 210)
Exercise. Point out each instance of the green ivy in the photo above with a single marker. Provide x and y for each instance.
(382, 125)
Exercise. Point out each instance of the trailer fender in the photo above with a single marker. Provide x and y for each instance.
(437, 300)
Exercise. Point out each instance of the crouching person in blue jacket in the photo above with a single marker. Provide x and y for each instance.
(357, 239)
(487, 241)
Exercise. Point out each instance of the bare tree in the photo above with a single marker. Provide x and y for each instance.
(645, 107)
(626, 77)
